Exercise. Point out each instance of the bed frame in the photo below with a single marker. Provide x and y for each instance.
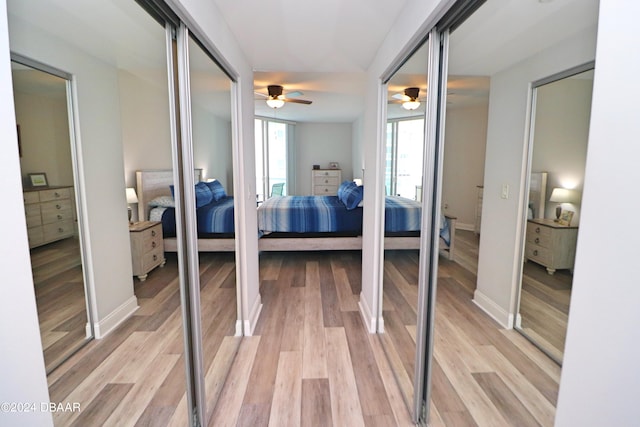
(155, 183)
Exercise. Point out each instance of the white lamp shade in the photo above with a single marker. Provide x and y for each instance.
(275, 102)
(411, 105)
(563, 195)
(132, 197)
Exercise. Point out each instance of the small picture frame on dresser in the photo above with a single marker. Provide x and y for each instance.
(334, 165)
(316, 167)
(38, 179)
(565, 218)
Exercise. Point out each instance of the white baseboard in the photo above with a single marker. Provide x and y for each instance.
(115, 318)
(254, 314)
(492, 309)
(518, 321)
(367, 318)
(87, 330)
(238, 328)
(467, 227)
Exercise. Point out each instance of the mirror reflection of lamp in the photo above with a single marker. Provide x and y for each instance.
(132, 197)
(560, 196)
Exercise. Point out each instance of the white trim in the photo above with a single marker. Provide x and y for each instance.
(365, 312)
(254, 314)
(496, 312)
(466, 227)
(87, 330)
(238, 328)
(115, 318)
(518, 324)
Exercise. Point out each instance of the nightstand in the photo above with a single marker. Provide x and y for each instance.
(551, 244)
(147, 248)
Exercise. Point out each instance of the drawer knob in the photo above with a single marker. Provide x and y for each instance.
(155, 257)
(60, 230)
(56, 194)
(326, 181)
(153, 244)
(535, 253)
(59, 216)
(326, 190)
(326, 173)
(58, 207)
(153, 233)
(537, 229)
(537, 240)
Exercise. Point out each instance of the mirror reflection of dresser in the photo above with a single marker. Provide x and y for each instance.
(551, 244)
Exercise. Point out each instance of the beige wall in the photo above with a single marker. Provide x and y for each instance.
(463, 169)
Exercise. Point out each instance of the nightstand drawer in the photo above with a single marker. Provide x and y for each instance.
(539, 254)
(151, 239)
(537, 230)
(152, 259)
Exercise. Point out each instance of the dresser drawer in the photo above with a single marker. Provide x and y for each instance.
(56, 213)
(536, 230)
(33, 215)
(540, 239)
(325, 190)
(327, 173)
(35, 236)
(57, 231)
(55, 194)
(31, 197)
(326, 180)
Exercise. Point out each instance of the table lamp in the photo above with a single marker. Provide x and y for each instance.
(132, 197)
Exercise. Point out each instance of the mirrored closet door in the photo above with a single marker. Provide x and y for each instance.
(41, 98)
(211, 134)
(561, 107)
(408, 223)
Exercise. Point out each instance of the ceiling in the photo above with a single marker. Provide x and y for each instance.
(319, 48)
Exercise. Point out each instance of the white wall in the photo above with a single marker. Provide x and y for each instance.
(100, 141)
(22, 372)
(357, 155)
(563, 110)
(601, 377)
(319, 144)
(212, 146)
(500, 237)
(463, 168)
(44, 136)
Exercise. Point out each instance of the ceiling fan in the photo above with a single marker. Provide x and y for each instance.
(409, 99)
(276, 98)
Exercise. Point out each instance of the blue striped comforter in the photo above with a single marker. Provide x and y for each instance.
(317, 214)
(213, 218)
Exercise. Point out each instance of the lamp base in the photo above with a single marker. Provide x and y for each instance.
(558, 212)
(129, 214)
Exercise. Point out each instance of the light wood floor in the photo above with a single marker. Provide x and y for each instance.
(311, 361)
(59, 288)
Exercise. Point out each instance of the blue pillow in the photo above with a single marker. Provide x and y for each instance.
(352, 196)
(344, 186)
(216, 189)
(204, 196)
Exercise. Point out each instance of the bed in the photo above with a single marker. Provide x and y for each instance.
(290, 222)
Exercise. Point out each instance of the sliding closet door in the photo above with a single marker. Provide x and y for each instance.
(206, 124)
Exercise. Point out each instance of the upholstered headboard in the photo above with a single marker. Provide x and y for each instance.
(155, 183)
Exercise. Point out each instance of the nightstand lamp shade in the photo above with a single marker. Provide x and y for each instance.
(132, 197)
(560, 196)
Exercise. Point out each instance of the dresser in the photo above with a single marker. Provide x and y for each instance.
(50, 214)
(325, 182)
(551, 244)
(147, 247)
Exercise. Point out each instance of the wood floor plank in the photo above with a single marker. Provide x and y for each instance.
(97, 412)
(532, 352)
(394, 394)
(293, 334)
(345, 405)
(316, 403)
(403, 379)
(217, 373)
(314, 348)
(373, 399)
(348, 301)
(520, 385)
(226, 412)
(128, 412)
(331, 315)
(287, 396)
(504, 399)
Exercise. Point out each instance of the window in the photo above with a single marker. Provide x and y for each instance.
(272, 157)
(403, 171)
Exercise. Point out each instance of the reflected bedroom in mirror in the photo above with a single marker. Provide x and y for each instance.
(558, 146)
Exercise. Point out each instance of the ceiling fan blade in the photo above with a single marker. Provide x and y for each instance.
(263, 95)
(401, 97)
(297, 101)
(293, 94)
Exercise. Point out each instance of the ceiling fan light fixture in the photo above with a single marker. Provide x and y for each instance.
(411, 105)
(275, 103)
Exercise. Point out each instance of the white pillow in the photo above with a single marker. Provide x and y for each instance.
(163, 202)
